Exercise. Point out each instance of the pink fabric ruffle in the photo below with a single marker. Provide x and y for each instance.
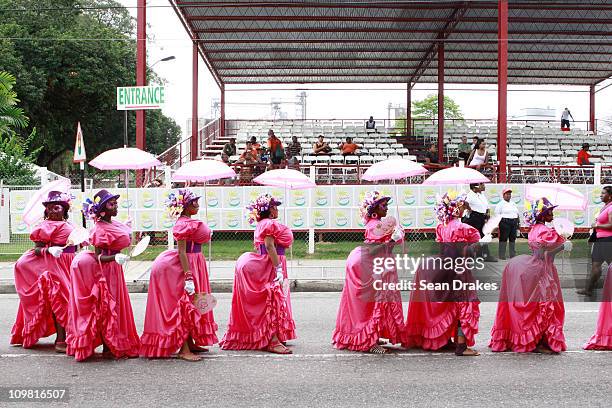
(100, 310)
(456, 231)
(602, 339)
(171, 316)
(545, 326)
(275, 321)
(43, 285)
(430, 325)
(365, 315)
(190, 324)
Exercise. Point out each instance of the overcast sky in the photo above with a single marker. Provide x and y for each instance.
(169, 38)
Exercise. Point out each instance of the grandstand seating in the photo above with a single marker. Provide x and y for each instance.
(535, 152)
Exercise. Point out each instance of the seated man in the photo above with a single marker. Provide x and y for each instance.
(248, 166)
(294, 149)
(584, 156)
(370, 125)
(431, 157)
(348, 147)
(321, 146)
(464, 149)
(256, 145)
(229, 150)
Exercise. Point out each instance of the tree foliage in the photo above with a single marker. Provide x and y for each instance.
(15, 156)
(69, 56)
(428, 108)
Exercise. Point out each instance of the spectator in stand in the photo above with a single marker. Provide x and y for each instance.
(276, 150)
(464, 149)
(584, 156)
(321, 146)
(248, 163)
(565, 115)
(431, 157)
(249, 149)
(509, 224)
(229, 150)
(348, 148)
(479, 158)
(294, 149)
(474, 141)
(370, 125)
(256, 145)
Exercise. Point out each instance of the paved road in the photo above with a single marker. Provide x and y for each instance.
(318, 375)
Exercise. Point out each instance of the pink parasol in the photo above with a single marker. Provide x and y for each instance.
(203, 170)
(125, 158)
(393, 169)
(288, 179)
(565, 197)
(285, 178)
(34, 210)
(456, 175)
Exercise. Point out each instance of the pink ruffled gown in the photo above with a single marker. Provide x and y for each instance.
(433, 316)
(530, 307)
(260, 310)
(365, 314)
(602, 339)
(171, 316)
(43, 285)
(100, 307)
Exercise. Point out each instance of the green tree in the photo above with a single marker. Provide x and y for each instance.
(15, 156)
(69, 56)
(11, 116)
(428, 108)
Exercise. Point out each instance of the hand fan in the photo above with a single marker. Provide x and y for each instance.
(490, 225)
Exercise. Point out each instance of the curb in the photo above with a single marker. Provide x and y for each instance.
(223, 286)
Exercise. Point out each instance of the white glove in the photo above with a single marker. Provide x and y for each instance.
(568, 246)
(279, 274)
(121, 259)
(398, 234)
(486, 239)
(55, 251)
(189, 287)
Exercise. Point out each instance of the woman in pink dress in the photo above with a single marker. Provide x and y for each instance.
(602, 339)
(100, 308)
(261, 317)
(438, 316)
(602, 249)
(368, 310)
(172, 322)
(42, 278)
(530, 312)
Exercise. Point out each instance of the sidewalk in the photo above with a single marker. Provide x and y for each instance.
(306, 275)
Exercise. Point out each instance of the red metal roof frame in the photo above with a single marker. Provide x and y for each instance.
(566, 42)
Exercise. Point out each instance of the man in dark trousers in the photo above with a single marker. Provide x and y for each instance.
(478, 206)
(509, 224)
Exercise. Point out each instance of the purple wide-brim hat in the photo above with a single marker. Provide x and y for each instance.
(104, 196)
(57, 197)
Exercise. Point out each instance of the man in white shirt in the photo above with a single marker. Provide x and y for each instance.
(565, 115)
(509, 224)
(478, 206)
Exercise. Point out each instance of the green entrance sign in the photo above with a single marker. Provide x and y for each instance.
(140, 97)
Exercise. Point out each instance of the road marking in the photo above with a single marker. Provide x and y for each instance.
(348, 355)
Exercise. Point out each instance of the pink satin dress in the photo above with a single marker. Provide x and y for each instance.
(100, 307)
(602, 339)
(365, 314)
(43, 285)
(171, 316)
(433, 317)
(530, 307)
(260, 308)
